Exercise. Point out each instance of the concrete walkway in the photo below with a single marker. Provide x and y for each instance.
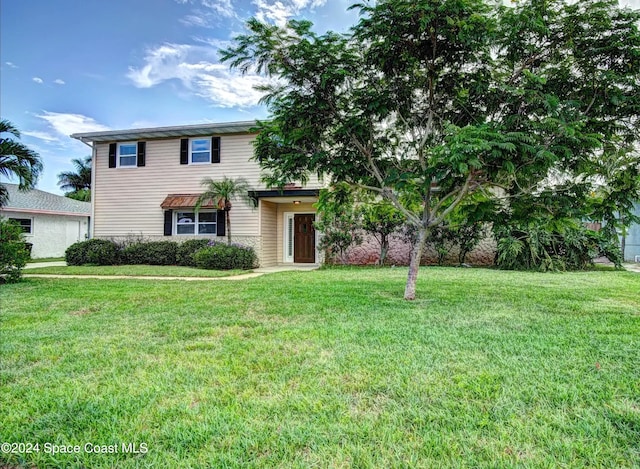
(632, 267)
(256, 273)
(35, 265)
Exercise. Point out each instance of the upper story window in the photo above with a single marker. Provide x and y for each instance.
(200, 150)
(127, 154)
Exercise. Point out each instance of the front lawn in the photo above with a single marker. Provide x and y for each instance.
(133, 270)
(328, 368)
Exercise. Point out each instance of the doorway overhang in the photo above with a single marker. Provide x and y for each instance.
(285, 196)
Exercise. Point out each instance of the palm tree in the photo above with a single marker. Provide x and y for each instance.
(78, 183)
(221, 193)
(17, 160)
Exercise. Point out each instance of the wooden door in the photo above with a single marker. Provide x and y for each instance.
(304, 239)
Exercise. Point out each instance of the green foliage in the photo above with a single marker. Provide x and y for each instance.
(338, 221)
(221, 256)
(442, 239)
(16, 159)
(381, 219)
(432, 101)
(220, 194)
(150, 252)
(83, 195)
(78, 182)
(13, 251)
(186, 250)
(561, 245)
(93, 251)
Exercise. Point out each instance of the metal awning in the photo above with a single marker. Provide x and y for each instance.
(174, 201)
(284, 193)
(275, 194)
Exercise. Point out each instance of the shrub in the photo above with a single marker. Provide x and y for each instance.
(13, 251)
(151, 252)
(565, 245)
(186, 250)
(220, 256)
(93, 251)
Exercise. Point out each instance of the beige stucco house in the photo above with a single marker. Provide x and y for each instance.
(146, 181)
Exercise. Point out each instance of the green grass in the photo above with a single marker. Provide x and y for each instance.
(326, 369)
(134, 270)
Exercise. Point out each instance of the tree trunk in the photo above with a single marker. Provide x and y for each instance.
(226, 213)
(384, 247)
(414, 265)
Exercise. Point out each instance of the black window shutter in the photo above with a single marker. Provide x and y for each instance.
(184, 151)
(221, 220)
(168, 222)
(215, 149)
(112, 155)
(142, 146)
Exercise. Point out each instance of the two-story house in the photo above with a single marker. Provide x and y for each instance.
(146, 182)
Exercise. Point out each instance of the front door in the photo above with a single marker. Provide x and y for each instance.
(304, 238)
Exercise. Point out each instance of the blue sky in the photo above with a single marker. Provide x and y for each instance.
(79, 66)
(70, 66)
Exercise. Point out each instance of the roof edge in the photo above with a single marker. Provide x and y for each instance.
(169, 131)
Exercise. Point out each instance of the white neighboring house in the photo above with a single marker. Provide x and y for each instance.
(50, 222)
(632, 241)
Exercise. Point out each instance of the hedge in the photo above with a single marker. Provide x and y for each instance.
(219, 256)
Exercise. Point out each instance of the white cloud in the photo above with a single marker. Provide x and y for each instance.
(210, 13)
(195, 68)
(279, 12)
(67, 124)
(222, 7)
(194, 20)
(38, 80)
(11, 65)
(58, 81)
(47, 137)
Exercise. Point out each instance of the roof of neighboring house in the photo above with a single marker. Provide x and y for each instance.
(37, 201)
(167, 132)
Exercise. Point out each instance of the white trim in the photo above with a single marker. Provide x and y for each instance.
(94, 166)
(286, 216)
(286, 234)
(43, 212)
(118, 165)
(174, 227)
(190, 155)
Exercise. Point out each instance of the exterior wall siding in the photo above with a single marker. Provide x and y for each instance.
(127, 200)
(268, 230)
(52, 234)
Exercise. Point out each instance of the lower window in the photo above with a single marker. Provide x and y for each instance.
(25, 224)
(191, 223)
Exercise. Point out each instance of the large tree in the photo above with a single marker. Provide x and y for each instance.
(17, 160)
(427, 102)
(221, 193)
(77, 183)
